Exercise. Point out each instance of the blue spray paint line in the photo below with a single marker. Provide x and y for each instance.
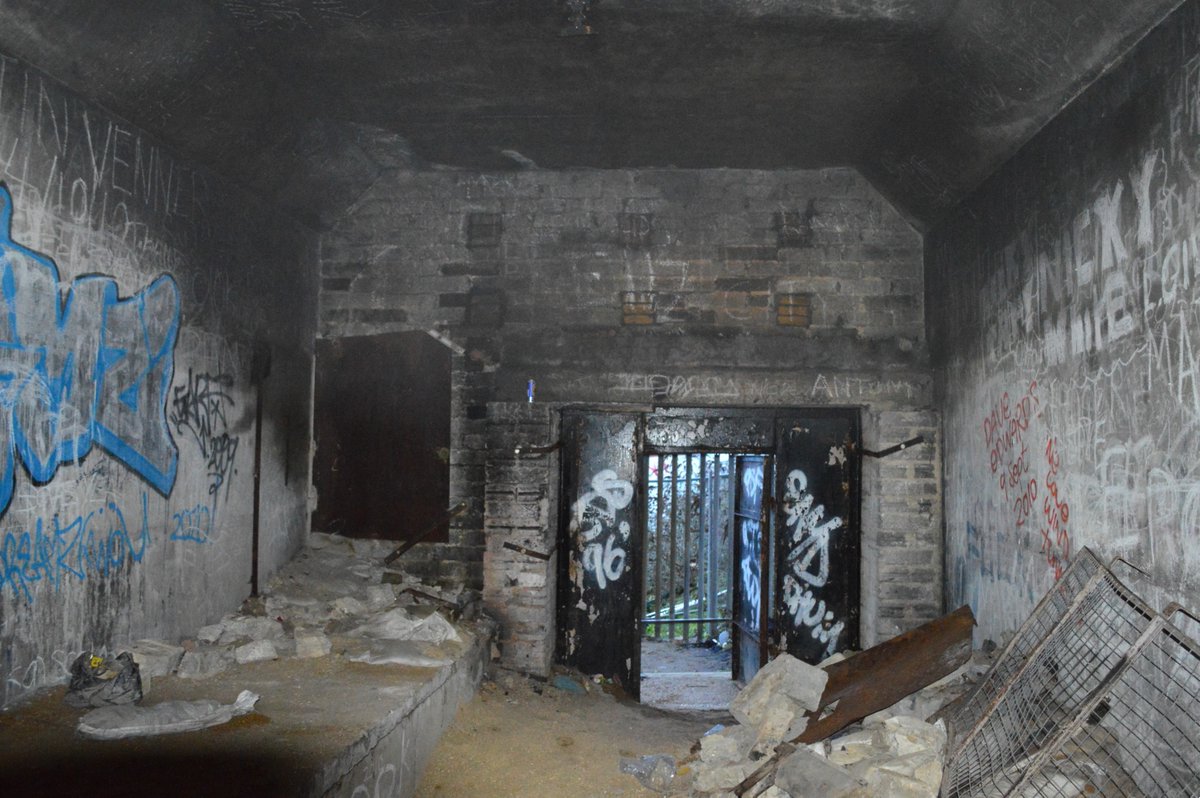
(78, 549)
(80, 366)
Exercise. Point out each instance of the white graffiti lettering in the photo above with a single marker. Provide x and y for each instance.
(594, 520)
(808, 561)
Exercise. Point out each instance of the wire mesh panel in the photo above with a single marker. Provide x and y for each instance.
(1050, 610)
(1046, 692)
(1139, 735)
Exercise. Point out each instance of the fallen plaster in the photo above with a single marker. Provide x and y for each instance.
(325, 725)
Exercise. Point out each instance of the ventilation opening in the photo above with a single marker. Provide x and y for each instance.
(687, 634)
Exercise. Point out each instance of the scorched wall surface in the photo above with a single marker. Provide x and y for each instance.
(135, 290)
(670, 287)
(1065, 328)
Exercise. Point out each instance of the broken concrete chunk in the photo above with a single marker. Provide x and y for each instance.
(249, 627)
(210, 633)
(851, 748)
(784, 720)
(725, 777)
(156, 658)
(256, 651)
(727, 746)
(903, 735)
(380, 596)
(313, 644)
(348, 605)
(203, 663)
(913, 776)
(779, 693)
(803, 773)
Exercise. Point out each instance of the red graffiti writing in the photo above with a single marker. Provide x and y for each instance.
(1056, 540)
(1005, 425)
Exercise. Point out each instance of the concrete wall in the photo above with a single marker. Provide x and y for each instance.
(673, 287)
(1065, 327)
(135, 288)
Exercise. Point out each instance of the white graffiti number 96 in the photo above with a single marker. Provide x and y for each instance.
(594, 520)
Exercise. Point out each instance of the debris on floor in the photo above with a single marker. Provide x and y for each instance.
(894, 752)
(167, 717)
(334, 597)
(98, 681)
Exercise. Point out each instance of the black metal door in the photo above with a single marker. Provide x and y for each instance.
(818, 537)
(750, 565)
(600, 569)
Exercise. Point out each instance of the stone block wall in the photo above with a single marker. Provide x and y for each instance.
(521, 508)
(656, 287)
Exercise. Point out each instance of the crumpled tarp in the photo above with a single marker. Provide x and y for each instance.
(169, 717)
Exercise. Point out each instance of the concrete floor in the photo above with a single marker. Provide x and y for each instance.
(317, 723)
(686, 678)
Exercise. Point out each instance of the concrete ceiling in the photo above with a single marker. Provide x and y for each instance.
(306, 101)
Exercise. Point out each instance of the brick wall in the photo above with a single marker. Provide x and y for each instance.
(521, 508)
(703, 288)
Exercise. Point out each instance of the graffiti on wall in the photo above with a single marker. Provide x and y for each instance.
(56, 550)
(808, 561)
(199, 409)
(1092, 291)
(595, 519)
(81, 367)
(751, 544)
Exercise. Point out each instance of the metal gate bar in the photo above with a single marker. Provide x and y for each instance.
(688, 582)
(658, 545)
(687, 545)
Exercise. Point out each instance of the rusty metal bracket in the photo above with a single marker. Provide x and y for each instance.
(401, 550)
(899, 447)
(528, 552)
(531, 449)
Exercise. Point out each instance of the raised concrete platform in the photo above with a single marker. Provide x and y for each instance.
(323, 727)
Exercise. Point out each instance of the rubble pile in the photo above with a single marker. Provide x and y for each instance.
(334, 596)
(894, 752)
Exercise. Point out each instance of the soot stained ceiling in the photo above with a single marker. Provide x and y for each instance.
(306, 101)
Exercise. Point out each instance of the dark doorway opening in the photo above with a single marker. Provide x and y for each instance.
(688, 582)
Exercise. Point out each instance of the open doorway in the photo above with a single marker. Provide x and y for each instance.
(684, 526)
(691, 579)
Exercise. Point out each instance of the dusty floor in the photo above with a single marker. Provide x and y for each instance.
(274, 751)
(660, 656)
(514, 742)
(686, 678)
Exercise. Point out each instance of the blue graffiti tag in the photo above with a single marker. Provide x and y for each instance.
(88, 545)
(81, 366)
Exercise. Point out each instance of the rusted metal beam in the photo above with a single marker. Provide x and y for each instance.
(879, 677)
(451, 514)
(882, 675)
